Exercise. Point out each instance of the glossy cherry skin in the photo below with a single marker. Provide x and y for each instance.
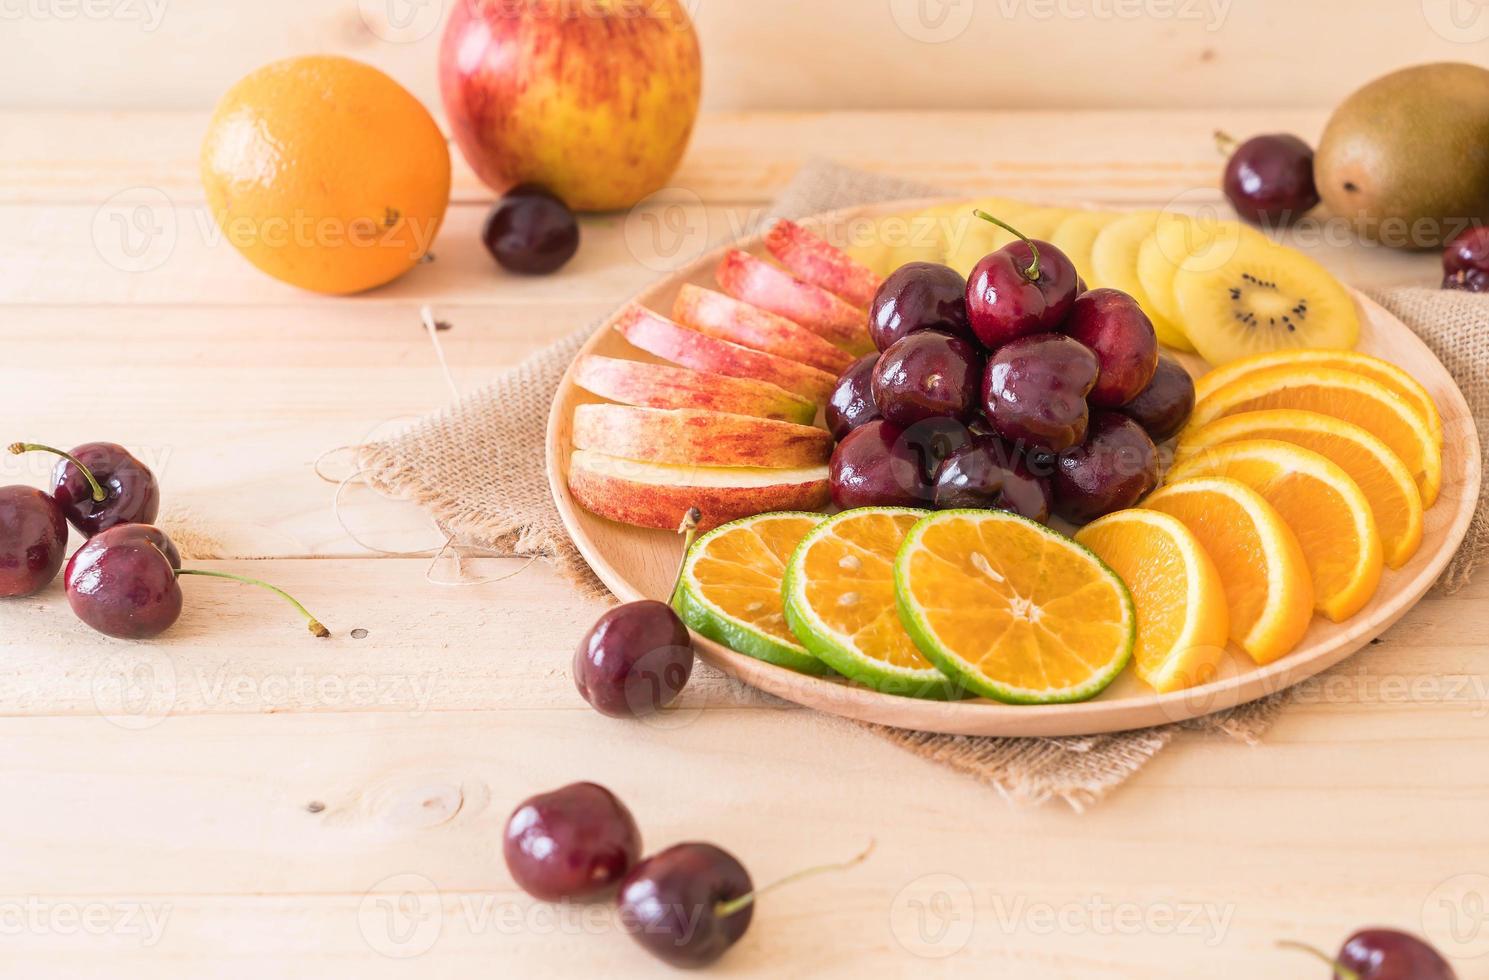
(33, 541)
(635, 660)
(573, 843)
(1269, 179)
(1114, 468)
(668, 903)
(122, 582)
(919, 296)
(851, 402)
(1386, 954)
(882, 465)
(1465, 261)
(927, 375)
(988, 474)
(531, 231)
(1034, 391)
(131, 492)
(1003, 304)
(1164, 407)
(1119, 333)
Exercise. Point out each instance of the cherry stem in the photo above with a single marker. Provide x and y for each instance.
(689, 530)
(99, 496)
(1033, 272)
(316, 628)
(1340, 970)
(725, 909)
(1224, 142)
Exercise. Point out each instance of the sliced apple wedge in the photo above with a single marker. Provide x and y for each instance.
(673, 342)
(749, 326)
(688, 435)
(664, 386)
(773, 289)
(815, 260)
(658, 494)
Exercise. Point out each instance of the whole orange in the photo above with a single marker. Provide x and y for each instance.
(325, 173)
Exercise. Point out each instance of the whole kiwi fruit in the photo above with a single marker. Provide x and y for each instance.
(1406, 158)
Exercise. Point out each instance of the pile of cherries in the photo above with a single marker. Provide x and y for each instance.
(123, 581)
(686, 905)
(1016, 389)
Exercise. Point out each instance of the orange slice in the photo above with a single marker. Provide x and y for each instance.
(1182, 619)
(1267, 589)
(1343, 394)
(1395, 501)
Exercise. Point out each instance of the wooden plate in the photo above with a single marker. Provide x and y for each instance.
(637, 563)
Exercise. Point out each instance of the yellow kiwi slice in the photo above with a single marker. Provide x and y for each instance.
(1175, 239)
(1114, 266)
(1077, 233)
(1250, 296)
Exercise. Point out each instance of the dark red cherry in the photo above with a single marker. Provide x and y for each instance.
(1119, 333)
(1269, 179)
(635, 660)
(881, 464)
(1384, 954)
(927, 375)
(987, 473)
(531, 231)
(1034, 391)
(101, 485)
(1025, 287)
(1164, 406)
(1114, 468)
(33, 541)
(919, 296)
(688, 904)
(573, 843)
(851, 403)
(1465, 261)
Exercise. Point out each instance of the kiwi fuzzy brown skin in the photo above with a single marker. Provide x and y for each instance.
(1406, 157)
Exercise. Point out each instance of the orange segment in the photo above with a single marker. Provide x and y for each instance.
(1267, 588)
(1325, 509)
(1345, 395)
(1182, 619)
(1395, 501)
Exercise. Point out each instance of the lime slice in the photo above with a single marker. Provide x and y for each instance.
(840, 603)
(730, 587)
(1012, 610)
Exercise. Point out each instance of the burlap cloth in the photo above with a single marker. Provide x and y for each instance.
(446, 463)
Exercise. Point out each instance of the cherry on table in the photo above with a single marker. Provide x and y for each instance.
(851, 402)
(919, 296)
(100, 485)
(988, 473)
(1026, 287)
(1383, 954)
(635, 660)
(1269, 179)
(1465, 261)
(926, 375)
(1112, 469)
(575, 842)
(531, 231)
(1165, 405)
(1034, 391)
(1119, 333)
(33, 541)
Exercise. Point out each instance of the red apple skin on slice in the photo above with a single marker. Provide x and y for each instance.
(692, 437)
(648, 385)
(728, 319)
(773, 289)
(673, 342)
(815, 260)
(633, 493)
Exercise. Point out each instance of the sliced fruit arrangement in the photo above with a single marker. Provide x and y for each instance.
(649, 385)
(729, 319)
(690, 436)
(730, 588)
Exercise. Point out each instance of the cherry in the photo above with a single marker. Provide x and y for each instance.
(33, 541)
(1269, 179)
(1164, 407)
(1023, 288)
(1034, 391)
(919, 296)
(987, 473)
(1119, 333)
(926, 375)
(531, 231)
(1114, 468)
(1383, 954)
(1465, 261)
(635, 660)
(851, 403)
(575, 842)
(881, 464)
(100, 485)
(124, 582)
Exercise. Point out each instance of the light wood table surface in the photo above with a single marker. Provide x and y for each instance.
(238, 800)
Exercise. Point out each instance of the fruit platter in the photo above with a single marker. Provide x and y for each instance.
(1002, 468)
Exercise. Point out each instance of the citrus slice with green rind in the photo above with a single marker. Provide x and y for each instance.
(730, 587)
(840, 603)
(1011, 609)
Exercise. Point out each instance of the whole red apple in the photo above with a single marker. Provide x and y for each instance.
(594, 99)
